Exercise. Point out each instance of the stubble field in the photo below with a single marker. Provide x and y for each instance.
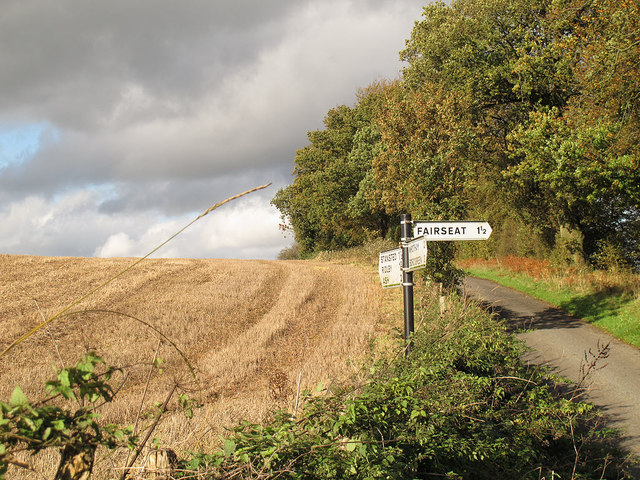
(255, 333)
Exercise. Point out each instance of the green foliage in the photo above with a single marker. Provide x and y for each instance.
(327, 204)
(35, 426)
(460, 406)
(501, 54)
(440, 267)
(423, 168)
(566, 175)
(525, 111)
(289, 253)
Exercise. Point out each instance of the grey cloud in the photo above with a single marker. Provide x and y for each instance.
(159, 107)
(174, 198)
(182, 162)
(73, 56)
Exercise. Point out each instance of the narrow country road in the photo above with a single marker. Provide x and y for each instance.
(569, 345)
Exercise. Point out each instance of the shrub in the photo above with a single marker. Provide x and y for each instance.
(74, 430)
(289, 253)
(460, 406)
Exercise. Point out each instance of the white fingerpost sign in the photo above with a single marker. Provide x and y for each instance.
(417, 249)
(390, 268)
(451, 230)
(396, 266)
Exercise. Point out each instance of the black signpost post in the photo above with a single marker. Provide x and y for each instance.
(406, 232)
(413, 251)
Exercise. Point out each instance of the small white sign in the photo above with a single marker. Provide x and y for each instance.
(390, 268)
(417, 249)
(452, 231)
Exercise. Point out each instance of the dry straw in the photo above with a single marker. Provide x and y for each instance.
(122, 272)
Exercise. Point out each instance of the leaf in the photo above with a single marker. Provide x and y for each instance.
(229, 447)
(59, 425)
(30, 423)
(18, 398)
(63, 376)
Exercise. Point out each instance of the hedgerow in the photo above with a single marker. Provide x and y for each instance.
(460, 405)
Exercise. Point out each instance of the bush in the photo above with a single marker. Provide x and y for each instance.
(289, 253)
(460, 406)
(73, 430)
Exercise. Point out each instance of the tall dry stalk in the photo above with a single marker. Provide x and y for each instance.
(125, 270)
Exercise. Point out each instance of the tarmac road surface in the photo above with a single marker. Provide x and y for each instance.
(569, 345)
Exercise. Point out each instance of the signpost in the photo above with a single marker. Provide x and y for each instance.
(390, 268)
(451, 231)
(407, 279)
(417, 251)
(396, 266)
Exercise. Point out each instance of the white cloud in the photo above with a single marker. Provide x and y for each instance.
(117, 245)
(248, 229)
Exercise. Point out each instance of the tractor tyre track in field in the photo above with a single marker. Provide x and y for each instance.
(315, 314)
(251, 329)
(567, 345)
(271, 354)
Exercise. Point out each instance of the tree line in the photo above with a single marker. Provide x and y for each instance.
(524, 113)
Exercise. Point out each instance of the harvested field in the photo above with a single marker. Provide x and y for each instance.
(250, 329)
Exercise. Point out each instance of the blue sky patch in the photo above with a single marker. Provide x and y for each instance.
(21, 142)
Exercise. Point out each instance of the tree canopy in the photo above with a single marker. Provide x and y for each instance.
(523, 111)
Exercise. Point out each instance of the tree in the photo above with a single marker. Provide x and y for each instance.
(577, 166)
(502, 54)
(527, 106)
(326, 205)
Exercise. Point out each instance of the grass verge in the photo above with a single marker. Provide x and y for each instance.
(607, 300)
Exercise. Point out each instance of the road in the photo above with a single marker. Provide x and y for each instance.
(569, 345)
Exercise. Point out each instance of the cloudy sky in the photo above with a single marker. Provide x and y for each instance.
(122, 120)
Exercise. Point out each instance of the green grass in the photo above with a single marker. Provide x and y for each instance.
(612, 309)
